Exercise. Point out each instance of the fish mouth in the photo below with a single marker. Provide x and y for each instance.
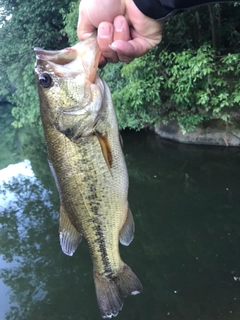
(60, 57)
(83, 58)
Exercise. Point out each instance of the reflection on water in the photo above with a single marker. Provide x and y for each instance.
(185, 201)
(14, 172)
(17, 171)
(4, 301)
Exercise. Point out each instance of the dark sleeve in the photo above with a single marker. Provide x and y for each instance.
(160, 9)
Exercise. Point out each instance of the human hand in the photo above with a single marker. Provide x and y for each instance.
(124, 32)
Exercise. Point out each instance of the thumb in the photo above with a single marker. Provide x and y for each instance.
(85, 28)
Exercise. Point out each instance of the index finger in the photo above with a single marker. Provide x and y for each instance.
(128, 50)
(84, 28)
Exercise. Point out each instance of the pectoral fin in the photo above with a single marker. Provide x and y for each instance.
(127, 231)
(106, 148)
(121, 140)
(68, 235)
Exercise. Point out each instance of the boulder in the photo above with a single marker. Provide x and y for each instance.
(212, 132)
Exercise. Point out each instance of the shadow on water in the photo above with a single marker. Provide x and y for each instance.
(185, 201)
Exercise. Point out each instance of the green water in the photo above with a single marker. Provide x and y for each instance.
(186, 205)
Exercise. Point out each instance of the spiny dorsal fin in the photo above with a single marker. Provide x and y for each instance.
(68, 235)
(106, 148)
(127, 232)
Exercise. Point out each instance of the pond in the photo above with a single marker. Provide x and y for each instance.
(186, 205)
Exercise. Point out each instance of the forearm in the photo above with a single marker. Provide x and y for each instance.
(160, 9)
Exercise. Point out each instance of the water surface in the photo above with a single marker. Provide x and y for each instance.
(186, 205)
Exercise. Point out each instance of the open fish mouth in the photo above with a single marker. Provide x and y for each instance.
(61, 57)
(72, 61)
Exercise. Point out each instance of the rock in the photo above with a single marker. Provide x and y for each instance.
(213, 132)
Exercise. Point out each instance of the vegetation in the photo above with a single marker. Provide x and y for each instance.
(192, 76)
(31, 25)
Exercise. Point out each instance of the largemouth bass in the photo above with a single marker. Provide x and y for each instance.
(87, 162)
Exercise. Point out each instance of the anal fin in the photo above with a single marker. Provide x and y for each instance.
(69, 237)
(127, 231)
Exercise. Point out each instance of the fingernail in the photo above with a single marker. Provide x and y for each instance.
(104, 31)
(113, 46)
(118, 24)
(86, 36)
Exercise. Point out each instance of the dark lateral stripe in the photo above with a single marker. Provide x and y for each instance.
(106, 148)
(102, 249)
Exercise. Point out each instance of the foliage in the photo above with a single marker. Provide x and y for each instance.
(136, 98)
(193, 75)
(70, 18)
(189, 86)
(31, 25)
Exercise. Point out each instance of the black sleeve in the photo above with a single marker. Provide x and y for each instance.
(160, 9)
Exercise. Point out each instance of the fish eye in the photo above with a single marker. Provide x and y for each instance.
(45, 80)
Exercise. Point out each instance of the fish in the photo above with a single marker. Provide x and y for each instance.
(87, 162)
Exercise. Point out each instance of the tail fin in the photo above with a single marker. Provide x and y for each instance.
(112, 290)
